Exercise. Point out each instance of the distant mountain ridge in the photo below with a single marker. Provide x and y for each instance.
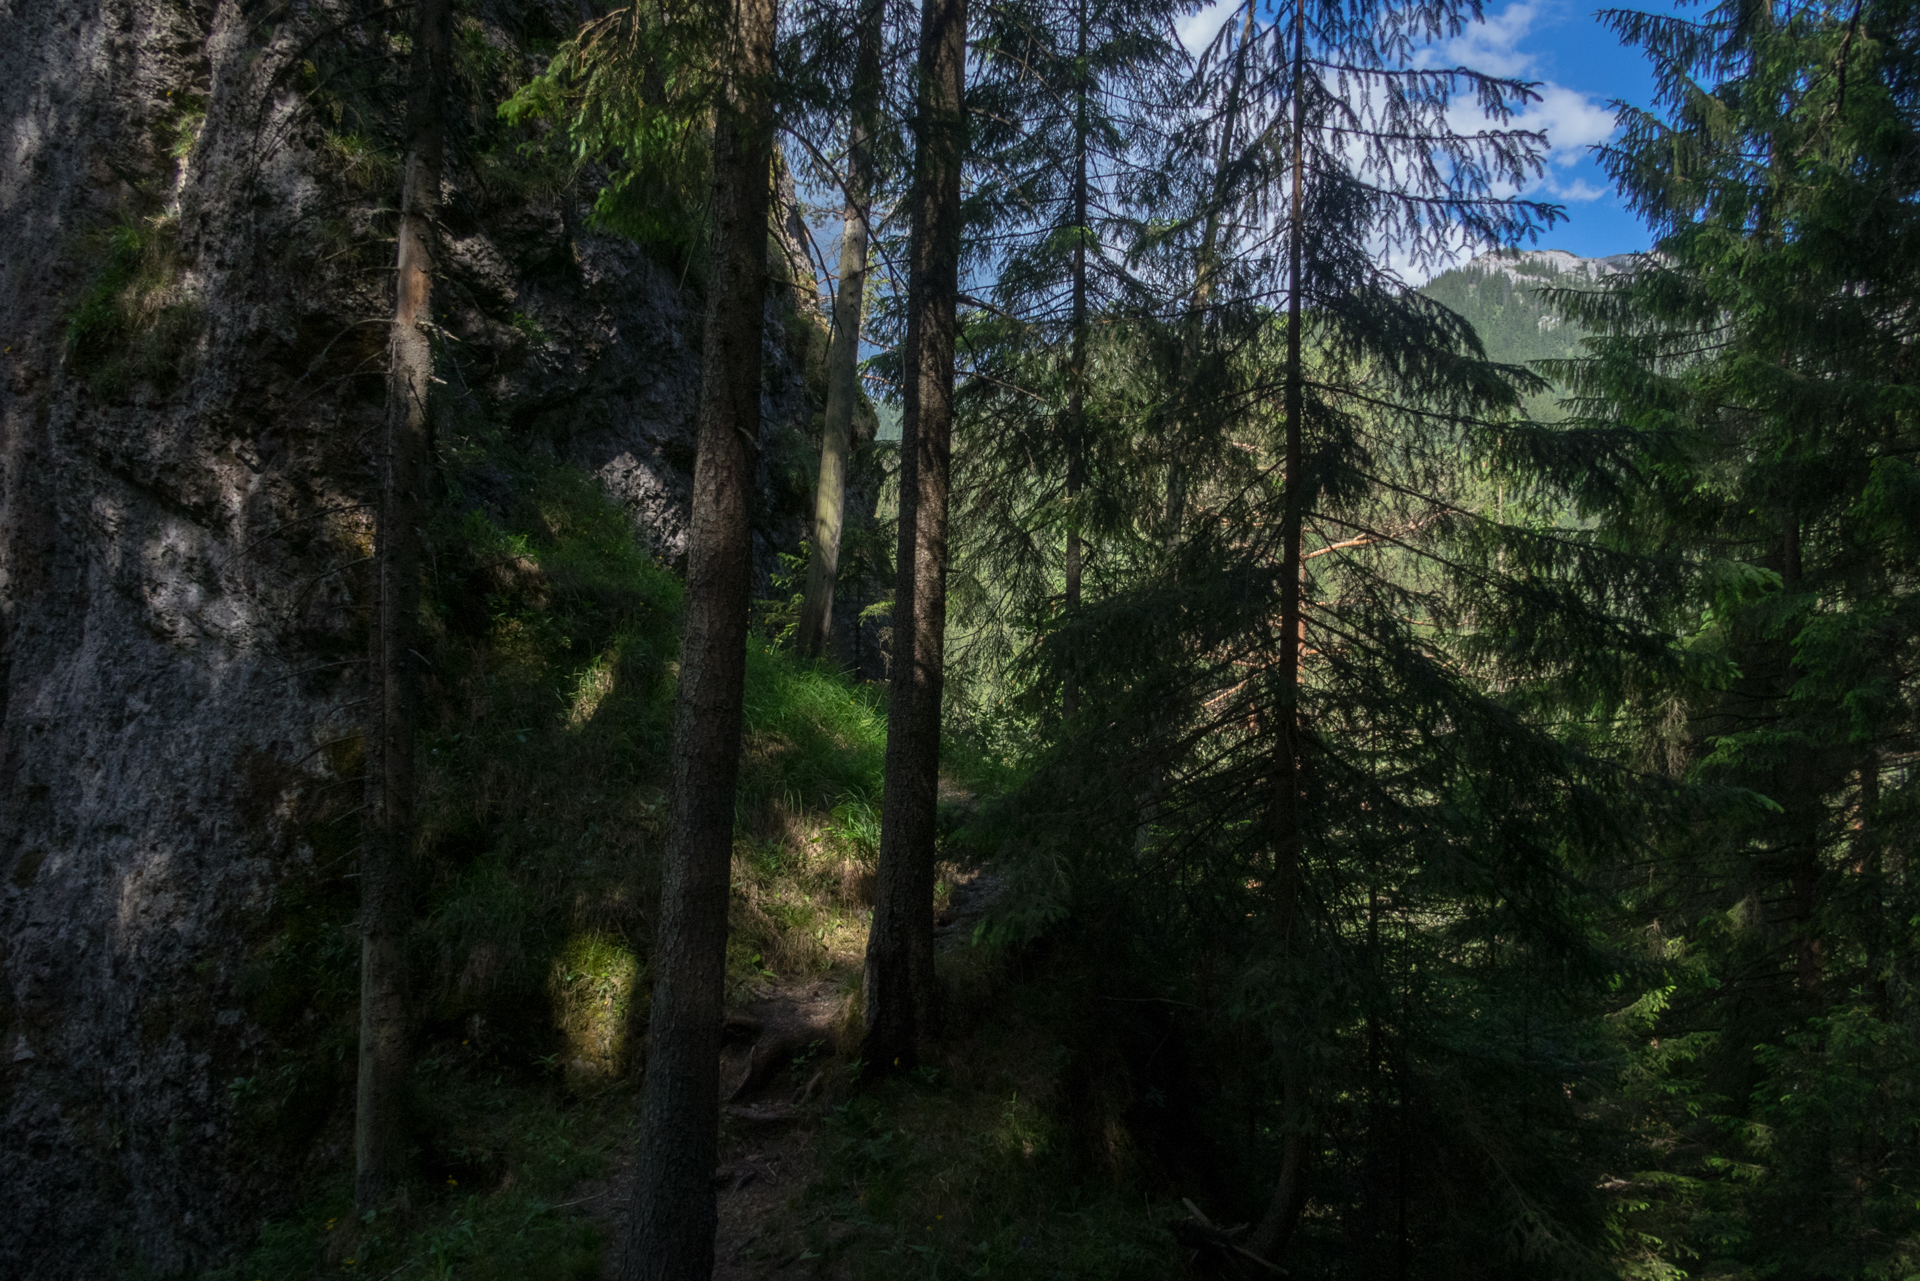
(1499, 293)
(1546, 266)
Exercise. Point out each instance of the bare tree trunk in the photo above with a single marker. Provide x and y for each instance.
(1800, 791)
(1077, 354)
(1871, 866)
(849, 305)
(898, 986)
(379, 1131)
(1276, 1225)
(674, 1215)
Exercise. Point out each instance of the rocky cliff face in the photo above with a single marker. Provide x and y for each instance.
(1546, 266)
(191, 302)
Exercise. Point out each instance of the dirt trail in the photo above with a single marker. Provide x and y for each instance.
(779, 1073)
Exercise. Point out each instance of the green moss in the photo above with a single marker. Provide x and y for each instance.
(133, 322)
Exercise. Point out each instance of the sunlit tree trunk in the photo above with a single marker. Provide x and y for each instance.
(898, 985)
(849, 306)
(674, 1214)
(379, 1132)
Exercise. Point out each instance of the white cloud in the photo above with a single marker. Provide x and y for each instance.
(1571, 120)
(1197, 30)
(1498, 45)
(1504, 44)
(1492, 45)
(1579, 191)
(1401, 262)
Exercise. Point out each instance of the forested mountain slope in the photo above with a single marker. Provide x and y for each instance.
(1499, 294)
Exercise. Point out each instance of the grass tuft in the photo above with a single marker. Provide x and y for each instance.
(134, 322)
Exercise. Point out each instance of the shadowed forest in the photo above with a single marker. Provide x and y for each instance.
(876, 640)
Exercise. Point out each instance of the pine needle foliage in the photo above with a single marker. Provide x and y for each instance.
(1072, 104)
(631, 94)
(1363, 856)
(1762, 360)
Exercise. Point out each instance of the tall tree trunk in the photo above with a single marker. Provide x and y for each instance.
(849, 305)
(1175, 514)
(1801, 789)
(1077, 353)
(1870, 867)
(898, 985)
(674, 1216)
(1276, 1225)
(379, 1131)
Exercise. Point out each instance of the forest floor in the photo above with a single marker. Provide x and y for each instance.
(776, 1070)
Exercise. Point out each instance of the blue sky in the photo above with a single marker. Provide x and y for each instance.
(1581, 67)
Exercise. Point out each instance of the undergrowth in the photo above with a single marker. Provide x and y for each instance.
(508, 1219)
(551, 638)
(968, 1168)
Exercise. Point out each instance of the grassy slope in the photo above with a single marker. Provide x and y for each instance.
(552, 652)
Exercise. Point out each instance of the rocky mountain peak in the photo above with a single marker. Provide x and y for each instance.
(1539, 266)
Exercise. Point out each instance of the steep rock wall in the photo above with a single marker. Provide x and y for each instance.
(191, 302)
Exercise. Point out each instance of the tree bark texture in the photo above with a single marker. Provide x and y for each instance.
(674, 1214)
(1269, 1239)
(379, 1132)
(843, 383)
(898, 986)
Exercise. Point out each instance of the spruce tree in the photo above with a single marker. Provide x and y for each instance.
(1761, 361)
(1073, 97)
(1335, 702)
